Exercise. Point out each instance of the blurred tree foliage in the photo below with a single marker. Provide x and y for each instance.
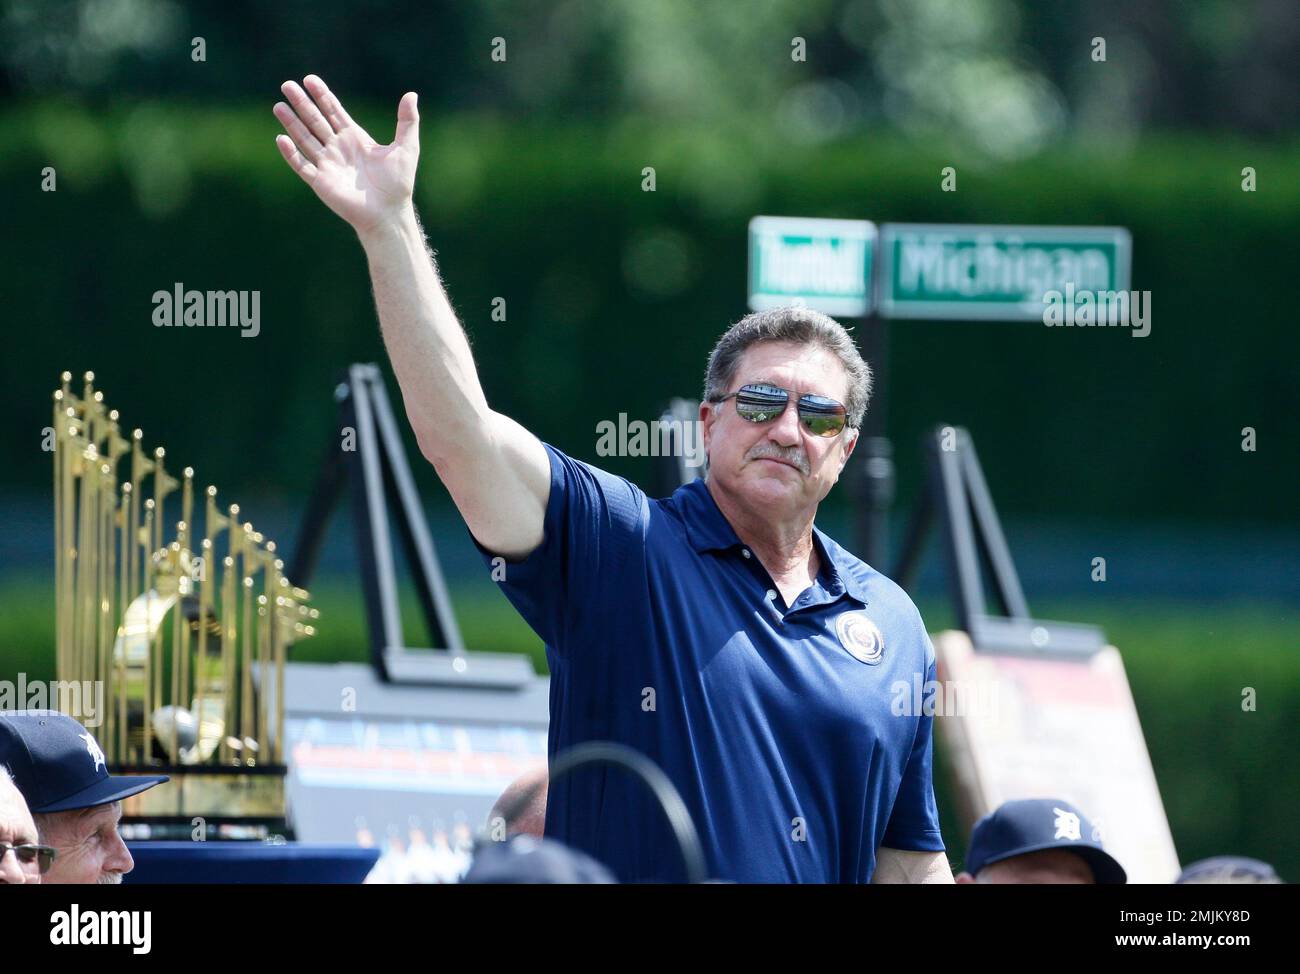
(1001, 77)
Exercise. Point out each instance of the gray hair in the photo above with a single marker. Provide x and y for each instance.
(7, 782)
(801, 326)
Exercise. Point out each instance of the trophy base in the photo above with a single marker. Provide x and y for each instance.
(202, 803)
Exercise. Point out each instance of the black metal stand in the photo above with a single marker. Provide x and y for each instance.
(672, 471)
(957, 492)
(378, 474)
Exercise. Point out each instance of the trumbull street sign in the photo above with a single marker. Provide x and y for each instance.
(820, 264)
(933, 271)
(1000, 273)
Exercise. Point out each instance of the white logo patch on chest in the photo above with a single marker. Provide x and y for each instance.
(860, 636)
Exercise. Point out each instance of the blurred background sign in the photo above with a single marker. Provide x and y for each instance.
(439, 753)
(1018, 725)
(995, 273)
(404, 765)
(821, 264)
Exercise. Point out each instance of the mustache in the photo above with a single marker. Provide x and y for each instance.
(770, 451)
(108, 879)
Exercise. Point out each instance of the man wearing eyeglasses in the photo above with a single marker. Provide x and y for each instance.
(718, 631)
(22, 858)
(75, 803)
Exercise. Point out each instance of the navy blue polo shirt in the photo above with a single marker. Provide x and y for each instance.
(785, 728)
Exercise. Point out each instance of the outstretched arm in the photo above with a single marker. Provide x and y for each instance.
(496, 471)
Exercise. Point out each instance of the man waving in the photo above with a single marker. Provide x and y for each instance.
(718, 631)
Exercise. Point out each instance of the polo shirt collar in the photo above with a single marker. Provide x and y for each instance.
(706, 527)
(708, 530)
(848, 570)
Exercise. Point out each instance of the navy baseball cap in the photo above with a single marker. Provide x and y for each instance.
(1228, 869)
(57, 764)
(1035, 824)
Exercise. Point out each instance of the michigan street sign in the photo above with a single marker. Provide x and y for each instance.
(821, 264)
(999, 273)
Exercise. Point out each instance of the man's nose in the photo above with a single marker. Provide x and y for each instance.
(119, 860)
(784, 430)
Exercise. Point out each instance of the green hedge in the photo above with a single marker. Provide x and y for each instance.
(615, 295)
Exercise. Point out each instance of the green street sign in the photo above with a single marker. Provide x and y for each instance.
(998, 273)
(819, 264)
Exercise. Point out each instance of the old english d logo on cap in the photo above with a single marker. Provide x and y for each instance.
(860, 636)
(92, 748)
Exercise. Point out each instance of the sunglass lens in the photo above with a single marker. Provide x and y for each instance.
(758, 404)
(821, 417)
(43, 856)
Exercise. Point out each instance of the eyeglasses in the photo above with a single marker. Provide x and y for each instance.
(761, 403)
(42, 855)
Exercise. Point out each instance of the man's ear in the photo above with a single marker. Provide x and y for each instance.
(852, 440)
(708, 416)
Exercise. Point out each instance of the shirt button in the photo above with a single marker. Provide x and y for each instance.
(771, 594)
(745, 552)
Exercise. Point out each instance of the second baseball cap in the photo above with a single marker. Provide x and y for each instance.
(57, 764)
(1032, 825)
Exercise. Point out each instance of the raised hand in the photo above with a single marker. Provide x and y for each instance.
(362, 181)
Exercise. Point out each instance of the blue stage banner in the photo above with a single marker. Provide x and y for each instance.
(248, 862)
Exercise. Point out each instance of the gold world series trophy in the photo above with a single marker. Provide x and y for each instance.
(190, 650)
